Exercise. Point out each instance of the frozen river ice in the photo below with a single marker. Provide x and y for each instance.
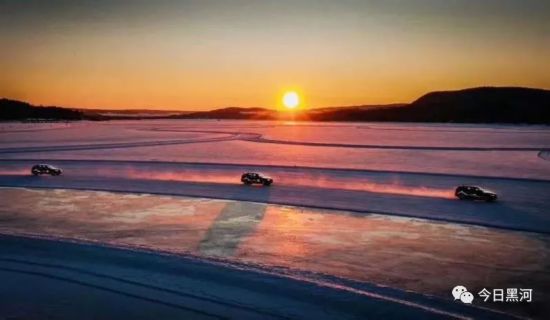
(369, 202)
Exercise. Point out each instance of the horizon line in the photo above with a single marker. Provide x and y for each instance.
(269, 108)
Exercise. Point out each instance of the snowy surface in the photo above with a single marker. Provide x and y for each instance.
(498, 151)
(399, 171)
(296, 242)
(408, 169)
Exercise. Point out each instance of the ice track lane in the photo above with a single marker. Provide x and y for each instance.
(522, 204)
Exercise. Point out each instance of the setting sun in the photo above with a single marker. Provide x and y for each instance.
(291, 99)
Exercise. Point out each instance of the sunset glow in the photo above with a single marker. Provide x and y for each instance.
(203, 55)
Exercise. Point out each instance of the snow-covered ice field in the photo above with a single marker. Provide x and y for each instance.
(371, 203)
(501, 151)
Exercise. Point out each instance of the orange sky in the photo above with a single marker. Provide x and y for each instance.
(199, 55)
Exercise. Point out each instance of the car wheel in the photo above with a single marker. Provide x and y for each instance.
(34, 173)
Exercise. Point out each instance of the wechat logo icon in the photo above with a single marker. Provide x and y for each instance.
(462, 294)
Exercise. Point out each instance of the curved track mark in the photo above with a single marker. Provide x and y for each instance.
(107, 289)
(143, 285)
(251, 137)
(419, 303)
(374, 146)
(258, 138)
(113, 145)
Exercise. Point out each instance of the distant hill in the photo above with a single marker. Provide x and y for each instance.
(474, 105)
(231, 113)
(485, 104)
(132, 113)
(17, 110)
(317, 114)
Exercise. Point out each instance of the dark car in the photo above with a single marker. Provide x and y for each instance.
(255, 177)
(45, 169)
(474, 193)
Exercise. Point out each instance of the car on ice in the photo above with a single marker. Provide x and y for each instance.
(474, 193)
(46, 169)
(257, 178)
